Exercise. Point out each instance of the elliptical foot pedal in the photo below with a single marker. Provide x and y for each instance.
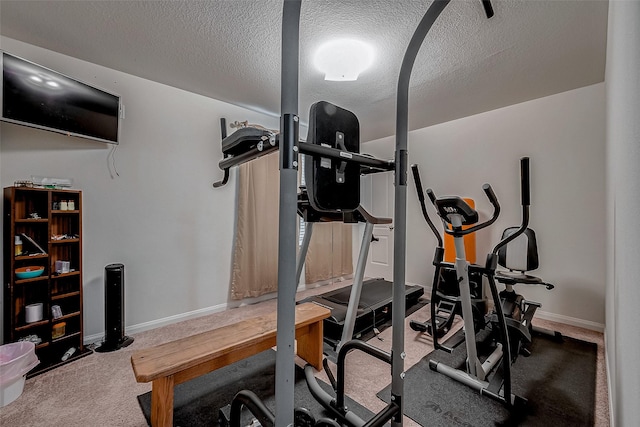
(445, 313)
(443, 325)
(418, 326)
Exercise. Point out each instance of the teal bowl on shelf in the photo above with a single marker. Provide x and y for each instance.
(29, 272)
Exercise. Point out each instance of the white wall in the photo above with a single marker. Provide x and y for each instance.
(173, 232)
(623, 180)
(160, 216)
(564, 135)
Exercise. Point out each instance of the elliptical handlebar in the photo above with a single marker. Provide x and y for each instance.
(432, 195)
(525, 197)
(488, 9)
(418, 182)
(488, 191)
(525, 185)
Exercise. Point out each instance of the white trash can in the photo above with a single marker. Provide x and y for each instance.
(16, 360)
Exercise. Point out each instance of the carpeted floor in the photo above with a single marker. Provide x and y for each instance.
(558, 380)
(100, 390)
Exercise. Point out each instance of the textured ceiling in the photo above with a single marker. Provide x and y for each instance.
(230, 50)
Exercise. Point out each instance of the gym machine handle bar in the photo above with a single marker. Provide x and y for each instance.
(423, 206)
(496, 212)
(488, 9)
(223, 133)
(525, 194)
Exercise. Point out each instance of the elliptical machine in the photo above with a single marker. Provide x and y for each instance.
(517, 252)
(484, 377)
(445, 294)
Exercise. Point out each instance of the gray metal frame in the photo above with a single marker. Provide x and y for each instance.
(356, 288)
(358, 277)
(288, 201)
(287, 239)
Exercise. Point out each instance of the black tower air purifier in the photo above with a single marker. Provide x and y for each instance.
(114, 309)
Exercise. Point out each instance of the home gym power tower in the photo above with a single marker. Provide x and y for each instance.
(289, 148)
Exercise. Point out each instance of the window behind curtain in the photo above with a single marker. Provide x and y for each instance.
(255, 257)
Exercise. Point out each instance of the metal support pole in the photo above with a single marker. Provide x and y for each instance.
(287, 239)
(400, 209)
(308, 230)
(356, 288)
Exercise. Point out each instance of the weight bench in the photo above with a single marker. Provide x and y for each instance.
(172, 363)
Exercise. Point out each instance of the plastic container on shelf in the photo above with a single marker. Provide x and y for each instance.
(18, 250)
(29, 272)
(33, 312)
(16, 360)
(58, 330)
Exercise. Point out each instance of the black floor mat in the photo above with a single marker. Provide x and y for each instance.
(558, 380)
(197, 402)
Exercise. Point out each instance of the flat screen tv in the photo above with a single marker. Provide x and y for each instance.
(38, 97)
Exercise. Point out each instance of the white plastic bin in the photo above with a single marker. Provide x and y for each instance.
(16, 360)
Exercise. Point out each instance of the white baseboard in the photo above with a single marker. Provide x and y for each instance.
(573, 321)
(146, 326)
(93, 339)
(612, 418)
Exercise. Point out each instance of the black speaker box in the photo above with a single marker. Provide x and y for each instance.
(114, 338)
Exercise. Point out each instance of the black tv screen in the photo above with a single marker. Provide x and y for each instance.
(36, 96)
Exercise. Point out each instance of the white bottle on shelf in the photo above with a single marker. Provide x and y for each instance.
(68, 354)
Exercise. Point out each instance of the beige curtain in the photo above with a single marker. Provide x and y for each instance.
(329, 254)
(255, 256)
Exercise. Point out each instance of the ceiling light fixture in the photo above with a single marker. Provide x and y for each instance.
(343, 59)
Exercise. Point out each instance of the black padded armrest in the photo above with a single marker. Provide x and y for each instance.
(243, 140)
(367, 217)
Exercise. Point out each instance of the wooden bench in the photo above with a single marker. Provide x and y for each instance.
(172, 363)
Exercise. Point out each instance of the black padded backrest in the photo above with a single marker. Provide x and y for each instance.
(333, 185)
(521, 254)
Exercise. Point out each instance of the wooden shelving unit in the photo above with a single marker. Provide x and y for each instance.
(36, 214)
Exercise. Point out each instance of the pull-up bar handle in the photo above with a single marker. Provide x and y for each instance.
(223, 133)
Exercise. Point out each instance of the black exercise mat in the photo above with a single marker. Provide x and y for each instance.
(558, 380)
(197, 402)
